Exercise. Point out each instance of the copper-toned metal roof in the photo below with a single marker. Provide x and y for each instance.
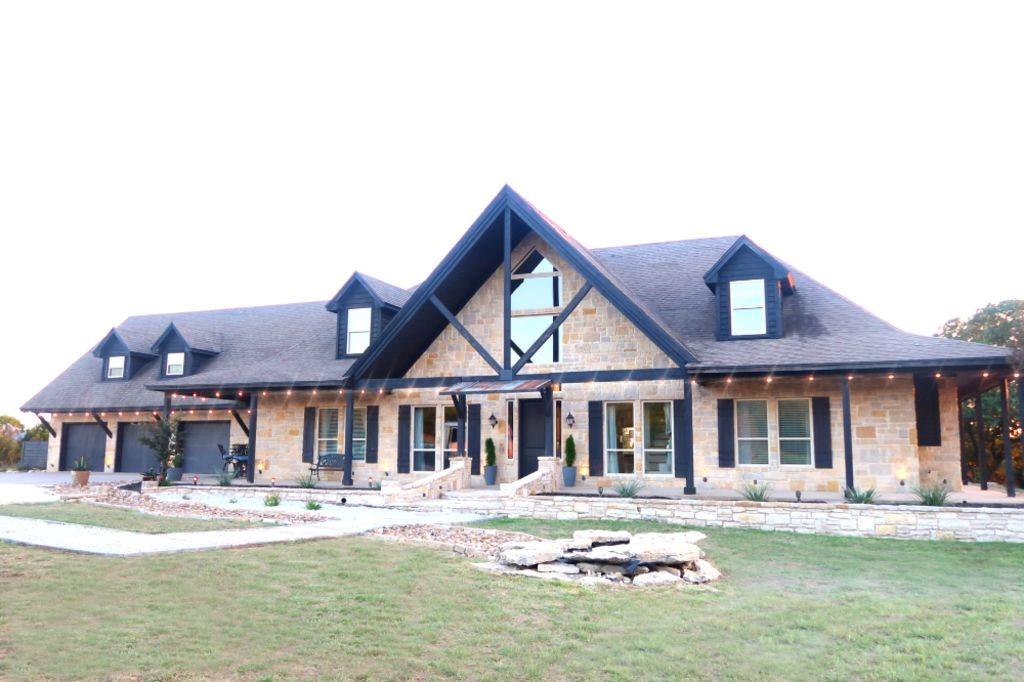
(514, 386)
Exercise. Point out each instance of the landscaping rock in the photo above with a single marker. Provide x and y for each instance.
(558, 567)
(655, 578)
(590, 538)
(531, 553)
(649, 548)
(671, 570)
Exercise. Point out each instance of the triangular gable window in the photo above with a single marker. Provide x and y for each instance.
(536, 301)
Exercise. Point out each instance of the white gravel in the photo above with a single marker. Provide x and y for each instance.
(14, 493)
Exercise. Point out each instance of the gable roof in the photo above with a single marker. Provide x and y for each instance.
(196, 339)
(779, 271)
(383, 293)
(132, 342)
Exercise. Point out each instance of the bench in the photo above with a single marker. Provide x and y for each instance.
(334, 462)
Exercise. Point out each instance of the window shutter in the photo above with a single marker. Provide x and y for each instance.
(403, 439)
(926, 407)
(726, 433)
(309, 434)
(821, 416)
(595, 439)
(679, 437)
(372, 419)
(473, 438)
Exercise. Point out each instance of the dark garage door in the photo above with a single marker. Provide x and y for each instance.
(201, 439)
(134, 456)
(83, 440)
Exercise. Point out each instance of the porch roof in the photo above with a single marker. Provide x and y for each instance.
(515, 386)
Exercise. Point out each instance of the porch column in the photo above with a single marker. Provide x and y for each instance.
(962, 427)
(167, 406)
(690, 488)
(979, 424)
(549, 421)
(460, 425)
(350, 406)
(254, 401)
(847, 433)
(1004, 406)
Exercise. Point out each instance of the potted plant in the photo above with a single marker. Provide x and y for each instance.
(164, 439)
(177, 466)
(490, 468)
(569, 463)
(80, 472)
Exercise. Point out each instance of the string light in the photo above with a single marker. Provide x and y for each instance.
(768, 380)
(984, 374)
(810, 378)
(938, 375)
(892, 376)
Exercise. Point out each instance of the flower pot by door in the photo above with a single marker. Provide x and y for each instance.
(80, 478)
(490, 475)
(174, 473)
(569, 476)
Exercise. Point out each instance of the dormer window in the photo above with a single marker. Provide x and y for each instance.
(175, 364)
(747, 307)
(358, 335)
(115, 367)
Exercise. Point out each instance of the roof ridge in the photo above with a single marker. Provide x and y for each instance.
(217, 310)
(669, 241)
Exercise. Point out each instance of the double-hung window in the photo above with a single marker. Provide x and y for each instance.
(658, 438)
(327, 432)
(358, 330)
(424, 438)
(115, 367)
(747, 308)
(175, 364)
(752, 431)
(359, 433)
(619, 431)
(795, 432)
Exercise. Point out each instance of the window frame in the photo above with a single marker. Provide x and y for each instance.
(608, 450)
(671, 440)
(412, 441)
(337, 431)
(356, 411)
(809, 438)
(733, 308)
(768, 431)
(167, 364)
(349, 329)
(548, 313)
(124, 367)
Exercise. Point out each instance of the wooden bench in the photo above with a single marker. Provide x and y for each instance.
(334, 462)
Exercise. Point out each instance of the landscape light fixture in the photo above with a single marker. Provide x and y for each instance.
(493, 420)
(570, 420)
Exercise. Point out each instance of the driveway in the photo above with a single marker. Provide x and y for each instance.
(18, 487)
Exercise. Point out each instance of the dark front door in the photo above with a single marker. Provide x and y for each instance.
(132, 454)
(531, 435)
(202, 456)
(83, 440)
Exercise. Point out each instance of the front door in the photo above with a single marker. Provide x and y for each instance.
(531, 435)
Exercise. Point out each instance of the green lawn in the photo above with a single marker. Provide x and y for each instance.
(790, 607)
(110, 517)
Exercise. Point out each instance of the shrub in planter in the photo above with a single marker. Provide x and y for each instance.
(271, 500)
(935, 495)
(225, 478)
(306, 481)
(165, 439)
(628, 487)
(177, 467)
(490, 463)
(569, 463)
(858, 496)
(755, 492)
(80, 472)
(313, 505)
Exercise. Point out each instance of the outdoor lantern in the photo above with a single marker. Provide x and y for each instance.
(570, 420)
(195, 480)
(493, 420)
(273, 481)
(371, 482)
(600, 490)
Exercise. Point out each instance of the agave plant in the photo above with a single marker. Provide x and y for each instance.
(934, 495)
(628, 487)
(755, 492)
(856, 496)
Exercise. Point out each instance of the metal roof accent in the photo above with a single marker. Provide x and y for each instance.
(497, 386)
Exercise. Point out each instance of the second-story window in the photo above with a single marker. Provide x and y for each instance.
(746, 303)
(358, 330)
(115, 367)
(536, 302)
(175, 364)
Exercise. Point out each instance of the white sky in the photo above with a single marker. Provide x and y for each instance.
(190, 155)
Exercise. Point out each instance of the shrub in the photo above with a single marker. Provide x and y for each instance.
(491, 456)
(313, 505)
(628, 487)
(934, 495)
(80, 465)
(178, 460)
(855, 496)
(225, 478)
(570, 451)
(755, 492)
(307, 481)
(271, 500)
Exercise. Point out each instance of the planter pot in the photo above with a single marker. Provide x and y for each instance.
(569, 476)
(80, 478)
(174, 474)
(490, 475)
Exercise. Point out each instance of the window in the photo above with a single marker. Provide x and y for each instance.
(359, 433)
(536, 286)
(175, 364)
(451, 433)
(746, 301)
(115, 367)
(558, 429)
(358, 330)
(619, 437)
(327, 432)
(510, 431)
(752, 431)
(424, 438)
(795, 432)
(658, 438)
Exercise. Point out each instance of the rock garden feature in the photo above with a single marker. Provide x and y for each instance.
(596, 557)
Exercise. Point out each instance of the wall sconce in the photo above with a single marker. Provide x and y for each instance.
(493, 420)
(570, 420)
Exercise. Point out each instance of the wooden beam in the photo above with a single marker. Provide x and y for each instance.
(465, 333)
(241, 422)
(45, 423)
(982, 453)
(110, 434)
(350, 408)
(847, 434)
(1004, 407)
(507, 295)
(555, 324)
(254, 404)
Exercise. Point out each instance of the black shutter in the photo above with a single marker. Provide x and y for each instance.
(372, 419)
(403, 439)
(726, 433)
(308, 434)
(926, 407)
(822, 419)
(595, 438)
(473, 436)
(679, 437)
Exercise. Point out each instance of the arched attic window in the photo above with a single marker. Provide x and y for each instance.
(536, 301)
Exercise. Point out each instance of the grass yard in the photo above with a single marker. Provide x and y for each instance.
(790, 606)
(110, 517)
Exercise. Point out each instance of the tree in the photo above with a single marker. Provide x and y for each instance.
(164, 438)
(37, 432)
(10, 427)
(1000, 324)
(10, 449)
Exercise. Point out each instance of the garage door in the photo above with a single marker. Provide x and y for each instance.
(201, 440)
(133, 455)
(83, 440)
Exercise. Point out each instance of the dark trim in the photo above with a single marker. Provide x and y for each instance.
(1004, 408)
(453, 321)
(404, 463)
(309, 434)
(548, 396)
(962, 428)
(555, 324)
(473, 434)
(507, 290)
(821, 418)
(846, 367)
(581, 377)
(47, 424)
(372, 433)
(726, 433)
(982, 451)
(357, 277)
(927, 415)
(595, 438)
(778, 270)
(682, 417)
(350, 420)
(250, 469)
(106, 428)
(847, 433)
(241, 422)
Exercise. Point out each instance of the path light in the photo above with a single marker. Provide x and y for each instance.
(273, 481)
(371, 482)
(570, 420)
(600, 490)
(195, 480)
(493, 420)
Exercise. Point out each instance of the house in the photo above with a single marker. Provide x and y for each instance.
(701, 364)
